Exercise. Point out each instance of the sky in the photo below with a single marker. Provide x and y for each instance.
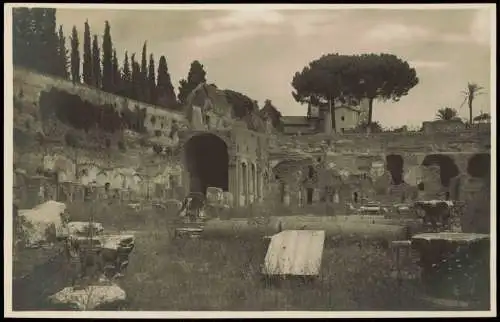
(257, 51)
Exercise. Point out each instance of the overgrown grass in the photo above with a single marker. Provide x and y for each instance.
(224, 274)
(167, 274)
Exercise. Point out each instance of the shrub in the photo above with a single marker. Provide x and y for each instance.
(71, 139)
(143, 142)
(157, 148)
(121, 146)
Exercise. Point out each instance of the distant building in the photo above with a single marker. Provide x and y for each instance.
(318, 119)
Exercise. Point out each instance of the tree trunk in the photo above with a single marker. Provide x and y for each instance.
(331, 103)
(470, 111)
(370, 111)
(370, 115)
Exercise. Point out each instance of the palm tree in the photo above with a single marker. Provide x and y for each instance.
(473, 90)
(483, 117)
(446, 114)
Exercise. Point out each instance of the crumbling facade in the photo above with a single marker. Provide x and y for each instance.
(205, 145)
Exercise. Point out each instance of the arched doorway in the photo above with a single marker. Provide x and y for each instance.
(395, 164)
(447, 167)
(207, 161)
(479, 165)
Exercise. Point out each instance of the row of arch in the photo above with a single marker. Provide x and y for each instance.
(478, 166)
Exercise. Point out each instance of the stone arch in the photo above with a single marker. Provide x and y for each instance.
(447, 167)
(101, 178)
(118, 180)
(395, 166)
(479, 165)
(206, 157)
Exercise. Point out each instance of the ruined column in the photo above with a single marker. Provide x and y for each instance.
(259, 183)
(233, 179)
(286, 194)
(242, 193)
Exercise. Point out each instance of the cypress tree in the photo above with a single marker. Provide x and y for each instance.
(144, 75)
(165, 90)
(135, 85)
(75, 56)
(22, 37)
(116, 74)
(152, 80)
(62, 55)
(196, 76)
(87, 56)
(96, 64)
(126, 78)
(107, 57)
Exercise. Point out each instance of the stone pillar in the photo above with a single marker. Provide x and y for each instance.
(300, 201)
(248, 178)
(252, 187)
(462, 162)
(286, 194)
(316, 195)
(243, 186)
(233, 180)
(259, 183)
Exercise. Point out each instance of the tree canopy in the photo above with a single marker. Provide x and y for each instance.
(107, 59)
(75, 56)
(87, 55)
(473, 90)
(242, 105)
(482, 117)
(350, 78)
(36, 41)
(446, 114)
(166, 94)
(196, 76)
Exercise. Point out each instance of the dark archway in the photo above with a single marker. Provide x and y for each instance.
(479, 165)
(395, 165)
(207, 161)
(447, 167)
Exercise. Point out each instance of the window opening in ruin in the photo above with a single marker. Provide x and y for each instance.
(479, 165)
(342, 118)
(310, 196)
(207, 162)
(311, 172)
(447, 167)
(106, 186)
(355, 197)
(420, 186)
(395, 167)
(172, 181)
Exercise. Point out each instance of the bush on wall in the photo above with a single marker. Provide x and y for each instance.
(71, 110)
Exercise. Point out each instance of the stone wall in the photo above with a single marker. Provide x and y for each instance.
(439, 126)
(28, 85)
(356, 161)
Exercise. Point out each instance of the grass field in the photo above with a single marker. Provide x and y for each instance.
(224, 274)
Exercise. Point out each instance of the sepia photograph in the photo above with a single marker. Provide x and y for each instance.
(249, 160)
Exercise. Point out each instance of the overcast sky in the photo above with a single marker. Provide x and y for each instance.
(256, 52)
